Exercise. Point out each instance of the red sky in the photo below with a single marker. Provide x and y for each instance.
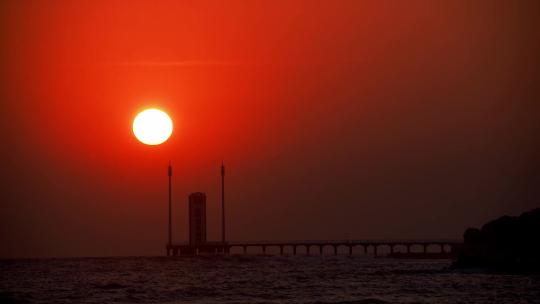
(336, 119)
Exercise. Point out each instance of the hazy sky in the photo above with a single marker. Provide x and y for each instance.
(336, 119)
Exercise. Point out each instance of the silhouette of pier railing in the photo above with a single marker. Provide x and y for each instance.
(445, 247)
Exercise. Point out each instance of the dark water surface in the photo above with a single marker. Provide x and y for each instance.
(256, 279)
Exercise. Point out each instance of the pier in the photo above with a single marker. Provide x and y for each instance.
(316, 247)
(198, 244)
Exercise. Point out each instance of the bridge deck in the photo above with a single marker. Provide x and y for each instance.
(219, 247)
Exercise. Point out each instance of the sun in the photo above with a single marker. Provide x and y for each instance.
(152, 127)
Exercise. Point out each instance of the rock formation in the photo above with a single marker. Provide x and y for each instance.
(505, 244)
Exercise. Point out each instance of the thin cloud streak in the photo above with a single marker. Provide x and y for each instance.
(183, 63)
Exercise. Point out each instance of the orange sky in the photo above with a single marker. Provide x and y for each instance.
(336, 119)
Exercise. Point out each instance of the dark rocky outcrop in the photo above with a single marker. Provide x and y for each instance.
(506, 244)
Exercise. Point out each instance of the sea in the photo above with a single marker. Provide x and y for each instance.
(257, 279)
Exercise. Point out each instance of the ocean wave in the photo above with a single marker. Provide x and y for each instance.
(240, 279)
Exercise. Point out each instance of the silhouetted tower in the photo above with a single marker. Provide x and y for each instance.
(197, 218)
(169, 171)
(222, 203)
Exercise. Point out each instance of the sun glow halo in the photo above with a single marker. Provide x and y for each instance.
(152, 127)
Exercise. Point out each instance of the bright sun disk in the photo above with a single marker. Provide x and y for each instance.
(152, 127)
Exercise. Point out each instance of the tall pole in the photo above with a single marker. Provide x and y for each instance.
(222, 203)
(170, 205)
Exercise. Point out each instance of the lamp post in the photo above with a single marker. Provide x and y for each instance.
(170, 204)
(223, 204)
